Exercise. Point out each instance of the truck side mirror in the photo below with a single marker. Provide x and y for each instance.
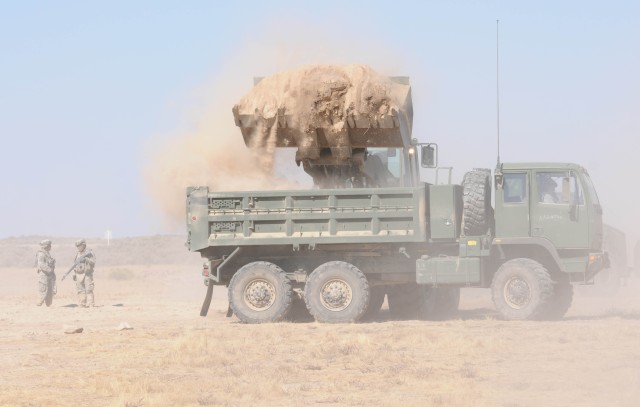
(429, 156)
(498, 179)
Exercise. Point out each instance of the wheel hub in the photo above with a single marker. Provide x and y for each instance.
(517, 293)
(260, 295)
(336, 295)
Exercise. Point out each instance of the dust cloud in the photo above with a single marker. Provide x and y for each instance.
(214, 156)
(211, 151)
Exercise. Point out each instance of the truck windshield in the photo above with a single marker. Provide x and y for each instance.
(383, 167)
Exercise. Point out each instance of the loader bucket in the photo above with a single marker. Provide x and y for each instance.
(341, 131)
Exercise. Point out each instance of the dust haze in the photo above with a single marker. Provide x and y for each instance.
(210, 149)
(590, 358)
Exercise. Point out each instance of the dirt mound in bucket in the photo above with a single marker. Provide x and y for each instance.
(315, 97)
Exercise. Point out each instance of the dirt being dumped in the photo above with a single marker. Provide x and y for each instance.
(317, 98)
(320, 106)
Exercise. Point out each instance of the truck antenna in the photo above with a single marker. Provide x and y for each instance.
(498, 87)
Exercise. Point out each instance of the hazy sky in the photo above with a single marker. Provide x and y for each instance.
(87, 91)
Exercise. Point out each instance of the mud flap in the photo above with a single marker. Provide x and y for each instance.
(207, 301)
(207, 298)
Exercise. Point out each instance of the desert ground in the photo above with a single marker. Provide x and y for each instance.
(174, 357)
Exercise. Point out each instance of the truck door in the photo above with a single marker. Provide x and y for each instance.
(512, 205)
(558, 208)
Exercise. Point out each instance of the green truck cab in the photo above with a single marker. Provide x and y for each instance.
(527, 232)
(555, 207)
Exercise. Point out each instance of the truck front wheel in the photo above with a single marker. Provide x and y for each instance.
(522, 289)
(337, 292)
(260, 292)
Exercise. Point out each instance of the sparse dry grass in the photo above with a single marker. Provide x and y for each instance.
(120, 273)
(174, 357)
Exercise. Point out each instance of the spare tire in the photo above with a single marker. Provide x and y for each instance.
(477, 213)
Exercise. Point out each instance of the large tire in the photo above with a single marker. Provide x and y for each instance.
(477, 213)
(411, 301)
(337, 292)
(560, 300)
(376, 299)
(522, 289)
(260, 292)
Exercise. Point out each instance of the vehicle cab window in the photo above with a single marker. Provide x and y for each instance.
(561, 188)
(515, 187)
(383, 167)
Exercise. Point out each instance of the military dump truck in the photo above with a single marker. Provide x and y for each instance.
(371, 228)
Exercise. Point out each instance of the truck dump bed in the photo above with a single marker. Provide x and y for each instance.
(327, 216)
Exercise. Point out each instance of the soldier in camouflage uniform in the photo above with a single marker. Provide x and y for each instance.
(46, 274)
(84, 274)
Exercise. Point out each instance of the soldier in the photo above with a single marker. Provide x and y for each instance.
(46, 273)
(84, 274)
(547, 189)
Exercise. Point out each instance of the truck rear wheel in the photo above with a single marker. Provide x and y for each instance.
(411, 301)
(260, 292)
(477, 213)
(337, 292)
(522, 289)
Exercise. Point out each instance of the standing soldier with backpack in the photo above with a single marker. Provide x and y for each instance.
(46, 274)
(84, 274)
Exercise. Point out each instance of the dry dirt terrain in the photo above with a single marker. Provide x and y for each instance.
(174, 357)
